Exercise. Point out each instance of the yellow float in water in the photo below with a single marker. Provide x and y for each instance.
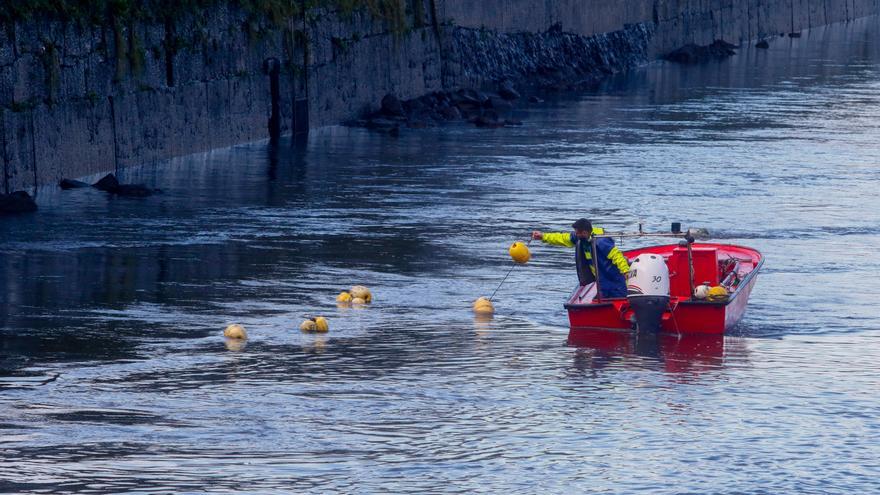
(483, 306)
(361, 292)
(519, 252)
(481, 301)
(343, 297)
(308, 326)
(235, 331)
(321, 325)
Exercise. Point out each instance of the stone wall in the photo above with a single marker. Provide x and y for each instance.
(77, 101)
(676, 22)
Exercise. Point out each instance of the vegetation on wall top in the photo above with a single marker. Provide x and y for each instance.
(103, 12)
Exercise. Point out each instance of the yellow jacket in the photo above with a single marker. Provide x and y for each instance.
(605, 249)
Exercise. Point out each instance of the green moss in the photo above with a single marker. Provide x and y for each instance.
(136, 52)
(24, 106)
(120, 50)
(418, 13)
(269, 12)
(52, 68)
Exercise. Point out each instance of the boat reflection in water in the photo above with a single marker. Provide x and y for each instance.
(677, 353)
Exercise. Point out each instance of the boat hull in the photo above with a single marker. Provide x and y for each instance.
(684, 315)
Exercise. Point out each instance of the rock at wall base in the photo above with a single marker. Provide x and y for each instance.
(507, 91)
(72, 184)
(17, 202)
(696, 54)
(392, 106)
(110, 184)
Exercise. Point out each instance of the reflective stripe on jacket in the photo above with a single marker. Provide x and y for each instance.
(612, 263)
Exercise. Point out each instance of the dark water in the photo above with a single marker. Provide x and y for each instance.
(114, 376)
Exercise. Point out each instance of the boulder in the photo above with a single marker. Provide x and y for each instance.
(468, 108)
(108, 183)
(413, 106)
(507, 91)
(468, 96)
(450, 113)
(488, 120)
(392, 106)
(72, 184)
(696, 54)
(500, 105)
(17, 202)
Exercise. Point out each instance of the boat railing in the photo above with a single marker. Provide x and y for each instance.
(687, 237)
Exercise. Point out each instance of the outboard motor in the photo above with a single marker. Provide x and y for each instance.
(647, 290)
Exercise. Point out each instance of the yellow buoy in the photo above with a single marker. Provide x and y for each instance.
(343, 297)
(482, 300)
(235, 331)
(308, 326)
(321, 325)
(483, 306)
(718, 294)
(361, 292)
(519, 252)
(358, 301)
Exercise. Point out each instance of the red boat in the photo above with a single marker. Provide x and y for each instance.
(735, 268)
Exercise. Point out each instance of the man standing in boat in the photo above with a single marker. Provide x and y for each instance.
(612, 264)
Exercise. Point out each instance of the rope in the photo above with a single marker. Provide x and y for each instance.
(508, 272)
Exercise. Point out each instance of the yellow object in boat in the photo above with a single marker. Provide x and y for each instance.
(718, 294)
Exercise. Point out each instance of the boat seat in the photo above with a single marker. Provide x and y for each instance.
(586, 294)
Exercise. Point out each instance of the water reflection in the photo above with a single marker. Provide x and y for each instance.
(674, 353)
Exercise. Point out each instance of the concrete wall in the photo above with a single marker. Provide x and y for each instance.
(79, 101)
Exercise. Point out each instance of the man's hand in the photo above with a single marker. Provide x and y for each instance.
(537, 235)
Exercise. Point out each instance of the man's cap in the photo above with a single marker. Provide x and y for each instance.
(583, 224)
